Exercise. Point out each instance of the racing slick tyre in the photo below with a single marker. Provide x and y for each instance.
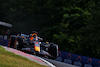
(53, 50)
(12, 42)
(20, 41)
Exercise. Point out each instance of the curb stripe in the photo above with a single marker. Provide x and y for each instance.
(22, 53)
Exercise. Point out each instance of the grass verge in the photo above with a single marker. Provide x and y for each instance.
(8, 59)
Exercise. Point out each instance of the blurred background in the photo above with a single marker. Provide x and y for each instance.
(72, 24)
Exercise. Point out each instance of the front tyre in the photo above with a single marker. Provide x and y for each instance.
(53, 50)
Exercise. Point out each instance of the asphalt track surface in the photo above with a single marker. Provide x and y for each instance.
(42, 61)
(59, 64)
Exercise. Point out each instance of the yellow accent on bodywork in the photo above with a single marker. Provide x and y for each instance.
(37, 48)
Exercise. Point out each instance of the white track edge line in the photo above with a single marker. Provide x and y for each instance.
(50, 64)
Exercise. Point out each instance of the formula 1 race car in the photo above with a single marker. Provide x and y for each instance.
(32, 44)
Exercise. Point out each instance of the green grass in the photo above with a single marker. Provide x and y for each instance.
(8, 59)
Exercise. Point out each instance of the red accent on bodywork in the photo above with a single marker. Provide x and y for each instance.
(9, 43)
(36, 42)
(31, 38)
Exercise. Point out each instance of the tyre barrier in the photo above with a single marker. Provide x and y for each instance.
(68, 60)
(78, 60)
(59, 57)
